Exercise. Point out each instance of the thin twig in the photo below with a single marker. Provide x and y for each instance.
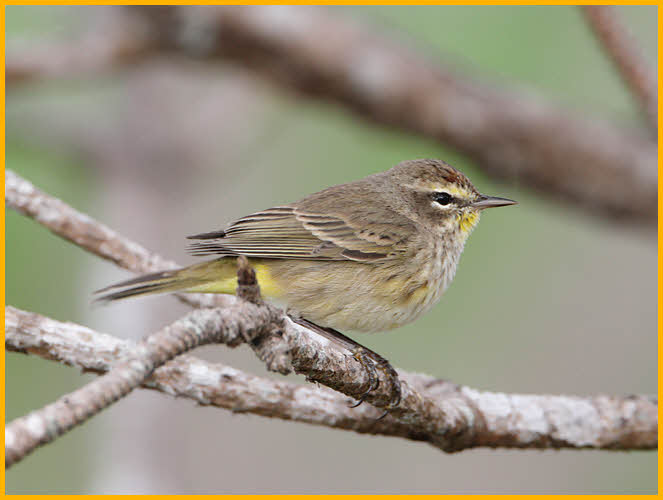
(515, 420)
(627, 58)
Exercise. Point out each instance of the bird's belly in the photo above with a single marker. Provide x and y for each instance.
(356, 296)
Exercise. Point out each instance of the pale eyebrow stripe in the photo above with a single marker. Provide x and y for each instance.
(452, 190)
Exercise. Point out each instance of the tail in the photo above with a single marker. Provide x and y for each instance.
(218, 276)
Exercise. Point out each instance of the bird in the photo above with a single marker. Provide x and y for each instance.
(366, 256)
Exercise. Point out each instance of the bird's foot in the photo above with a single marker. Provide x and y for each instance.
(372, 361)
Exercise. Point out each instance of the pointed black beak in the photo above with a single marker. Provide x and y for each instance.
(492, 201)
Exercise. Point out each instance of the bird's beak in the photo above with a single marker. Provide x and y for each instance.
(492, 201)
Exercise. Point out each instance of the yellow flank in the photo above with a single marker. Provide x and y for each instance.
(268, 287)
(468, 220)
(392, 287)
(418, 296)
(395, 287)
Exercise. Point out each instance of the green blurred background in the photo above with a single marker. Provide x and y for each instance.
(547, 299)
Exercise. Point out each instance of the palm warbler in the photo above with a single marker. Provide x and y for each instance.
(370, 255)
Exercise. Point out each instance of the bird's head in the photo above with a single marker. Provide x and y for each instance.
(440, 197)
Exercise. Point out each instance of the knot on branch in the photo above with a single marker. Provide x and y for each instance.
(247, 284)
(267, 342)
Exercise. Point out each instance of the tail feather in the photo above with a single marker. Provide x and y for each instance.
(140, 279)
(130, 292)
(184, 279)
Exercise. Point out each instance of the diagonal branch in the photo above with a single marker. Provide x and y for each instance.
(87, 233)
(509, 133)
(448, 416)
(203, 326)
(620, 46)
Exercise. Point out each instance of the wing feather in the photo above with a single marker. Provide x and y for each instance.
(289, 232)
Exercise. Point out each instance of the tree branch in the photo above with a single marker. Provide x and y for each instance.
(448, 416)
(104, 48)
(509, 134)
(621, 48)
(511, 420)
(91, 235)
(203, 326)
(190, 377)
(513, 135)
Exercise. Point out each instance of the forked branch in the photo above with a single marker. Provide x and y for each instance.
(203, 326)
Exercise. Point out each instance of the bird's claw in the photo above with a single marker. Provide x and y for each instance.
(370, 361)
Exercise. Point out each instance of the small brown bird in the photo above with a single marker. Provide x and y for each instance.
(369, 255)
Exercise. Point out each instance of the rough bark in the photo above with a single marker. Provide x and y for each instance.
(496, 419)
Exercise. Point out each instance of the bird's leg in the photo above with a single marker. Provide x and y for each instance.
(361, 354)
(369, 359)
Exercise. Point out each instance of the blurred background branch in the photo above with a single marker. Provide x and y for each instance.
(102, 48)
(509, 133)
(621, 48)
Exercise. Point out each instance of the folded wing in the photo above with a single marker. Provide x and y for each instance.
(289, 232)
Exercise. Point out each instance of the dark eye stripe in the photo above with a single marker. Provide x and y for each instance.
(442, 198)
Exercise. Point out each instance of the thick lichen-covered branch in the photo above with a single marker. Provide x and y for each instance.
(186, 376)
(203, 326)
(493, 419)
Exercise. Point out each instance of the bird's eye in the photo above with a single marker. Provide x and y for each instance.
(442, 198)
